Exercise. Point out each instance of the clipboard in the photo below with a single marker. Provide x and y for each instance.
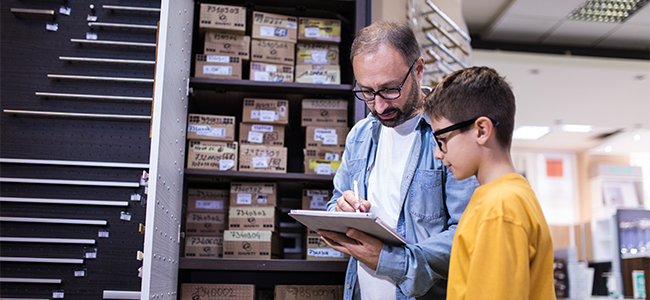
(341, 221)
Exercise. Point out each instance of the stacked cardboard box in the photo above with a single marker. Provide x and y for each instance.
(316, 248)
(205, 291)
(318, 51)
(211, 142)
(262, 135)
(325, 122)
(205, 222)
(273, 47)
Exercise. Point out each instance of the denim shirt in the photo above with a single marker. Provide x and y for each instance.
(432, 202)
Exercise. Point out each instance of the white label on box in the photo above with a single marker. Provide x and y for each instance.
(262, 128)
(268, 115)
(255, 137)
(318, 197)
(323, 169)
(320, 134)
(196, 128)
(91, 36)
(215, 132)
(311, 193)
(312, 32)
(260, 162)
(267, 31)
(332, 156)
(52, 27)
(271, 68)
(324, 252)
(330, 139)
(283, 110)
(319, 79)
(218, 59)
(318, 57)
(80, 273)
(65, 10)
(292, 25)
(260, 76)
(244, 199)
(91, 18)
(318, 205)
(217, 70)
(57, 295)
(262, 198)
(209, 204)
(226, 164)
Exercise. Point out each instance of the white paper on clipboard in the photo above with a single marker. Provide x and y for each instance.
(341, 221)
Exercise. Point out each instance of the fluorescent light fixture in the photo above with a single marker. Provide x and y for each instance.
(615, 11)
(530, 132)
(637, 137)
(608, 149)
(577, 128)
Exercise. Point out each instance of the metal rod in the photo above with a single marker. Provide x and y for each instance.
(42, 260)
(76, 115)
(5, 239)
(30, 280)
(448, 20)
(439, 60)
(90, 96)
(114, 43)
(74, 163)
(71, 182)
(132, 8)
(444, 49)
(121, 25)
(47, 12)
(53, 221)
(447, 35)
(101, 78)
(64, 201)
(108, 60)
(121, 294)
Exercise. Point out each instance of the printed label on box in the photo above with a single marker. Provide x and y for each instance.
(323, 169)
(209, 204)
(268, 116)
(217, 59)
(244, 199)
(312, 193)
(260, 162)
(255, 137)
(318, 204)
(312, 32)
(271, 68)
(332, 156)
(239, 188)
(262, 128)
(267, 30)
(262, 198)
(324, 252)
(226, 164)
(217, 70)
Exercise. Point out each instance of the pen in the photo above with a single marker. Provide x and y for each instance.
(356, 192)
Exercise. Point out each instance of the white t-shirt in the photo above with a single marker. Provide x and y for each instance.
(384, 182)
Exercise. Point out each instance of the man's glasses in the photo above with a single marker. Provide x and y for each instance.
(442, 142)
(388, 94)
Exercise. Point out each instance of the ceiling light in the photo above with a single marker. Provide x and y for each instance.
(530, 132)
(608, 149)
(577, 128)
(637, 137)
(606, 10)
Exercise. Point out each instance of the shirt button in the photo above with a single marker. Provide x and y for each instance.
(348, 287)
(368, 169)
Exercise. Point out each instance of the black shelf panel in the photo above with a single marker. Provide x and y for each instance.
(289, 265)
(213, 175)
(234, 85)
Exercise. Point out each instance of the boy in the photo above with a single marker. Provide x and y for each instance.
(502, 248)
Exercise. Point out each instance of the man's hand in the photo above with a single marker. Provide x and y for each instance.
(363, 247)
(348, 202)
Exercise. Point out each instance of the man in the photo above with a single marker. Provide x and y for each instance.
(390, 155)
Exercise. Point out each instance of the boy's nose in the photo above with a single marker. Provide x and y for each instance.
(437, 154)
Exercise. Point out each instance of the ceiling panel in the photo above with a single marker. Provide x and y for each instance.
(628, 36)
(641, 17)
(557, 9)
(579, 33)
(479, 14)
(520, 29)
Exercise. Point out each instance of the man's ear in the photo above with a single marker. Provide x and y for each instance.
(419, 69)
(485, 130)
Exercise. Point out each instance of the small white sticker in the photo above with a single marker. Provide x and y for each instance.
(125, 216)
(217, 70)
(268, 115)
(318, 57)
(267, 31)
(102, 233)
(332, 156)
(262, 128)
(324, 252)
(136, 197)
(57, 294)
(323, 169)
(80, 273)
(312, 32)
(65, 10)
(255, 137)
(292, 25)
(246, 199)
(218, 59)
(91, 18)
(209, 204)
(91, 254)
(52, 27)
(226, 164)
(283, 110)
(262, 198)
(91, 36)
(271, 68)
(318, 205)
(319, 79)
(260, 76)
(260, 162)
(330, 139)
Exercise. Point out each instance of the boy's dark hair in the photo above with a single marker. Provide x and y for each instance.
(471, 93)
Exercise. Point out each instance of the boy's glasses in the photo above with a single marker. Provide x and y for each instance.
(388, 94)
(442, 142)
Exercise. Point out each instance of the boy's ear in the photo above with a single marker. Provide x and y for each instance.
(485, 130)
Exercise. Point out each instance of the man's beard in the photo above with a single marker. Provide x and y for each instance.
(411, 105)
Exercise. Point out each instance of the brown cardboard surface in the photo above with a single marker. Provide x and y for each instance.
(318, 74)
(275, 52)
(253, 218)
(251, 244)
(204, 246)
(317, 249)
(218, 66)
(210, 127)
(253, 193)
(217, 43)
(263, 159)
(205, 291)
(266, 111)
(261, 134)
(324, 30)
(222, 18)
(205, 224)
(322, 161)
(315, 53)
(271, 72)
(207, 201)
(326, 137)
(313, 199)
(324, 112)
(308, 292)
(209, 155)
(275, 27)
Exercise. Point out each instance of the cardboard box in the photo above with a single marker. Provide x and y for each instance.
(322, 161)
(208, 155)
(317, 249)
(274, 27)
(263, 159)
(274, 52)
(318, 74)
(204, 246)
(207, 201)
(269, 111)
(315, 199)
(320, 54)
(204, 291)
(271, 72)
(253, 218)
(308, 292)
(326, 137)
(224, 44)
(205, 224)
(261, 134)
(210, 127)
(317, 112)
(223, 18)
(218, 67)
(324, 30)
(251, 244)
(253, 193)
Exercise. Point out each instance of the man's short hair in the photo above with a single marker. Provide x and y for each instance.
(471, 93)
(397, 34)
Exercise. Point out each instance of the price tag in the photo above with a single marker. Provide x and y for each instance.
(318, 205)
(255, 137)
(271, 68)
(319, 57)
(218, 59)
(57, 294)
(262, 128)
(80, 273)
(267, 31)
(246, 199)
(217, 70)
(312, 32)
(91, 36)
(91, 18)
(226, 164)
(136, 197)
(65, 10)
(126, 216)
(332, 156)
(209, 204)
(261, 76)
(268, 116)
(260, 162)
(330, 139)
(91, 255)
(52, 27)
(323, 169)
(102, 233)
(262, 198)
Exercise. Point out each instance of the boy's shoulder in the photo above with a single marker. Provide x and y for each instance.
(510, 196)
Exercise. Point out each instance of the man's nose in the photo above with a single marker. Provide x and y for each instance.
(380, 104)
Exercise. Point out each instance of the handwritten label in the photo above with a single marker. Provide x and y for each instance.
(239, 188)
(209, 204)
(205, 241)
(324, 252)
(255, 137)
(218, 59)
(260, 162)
(226, 164)
(218, 218)
(246, 235)
(217, 70)
(262, 128)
